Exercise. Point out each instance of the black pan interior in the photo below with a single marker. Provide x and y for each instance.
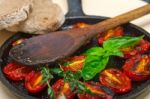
(18, 88)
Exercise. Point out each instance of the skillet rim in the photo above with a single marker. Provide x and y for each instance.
(19, 94)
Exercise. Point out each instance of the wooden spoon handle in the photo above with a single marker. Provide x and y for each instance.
(118, 20)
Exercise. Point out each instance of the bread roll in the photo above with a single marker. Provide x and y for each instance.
(12, 12)
(45, 17)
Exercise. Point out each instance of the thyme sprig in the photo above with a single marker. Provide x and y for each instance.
(47, 76)
(73, 79)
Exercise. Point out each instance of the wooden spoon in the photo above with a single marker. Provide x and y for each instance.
(57, 45)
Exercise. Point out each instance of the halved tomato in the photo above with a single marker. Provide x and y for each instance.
(62, 89)
(138, 67)
(33, 82)
(140, 48)
(16, 71)
(143, 47)
(74, 64)
(97, 90)
(116, 80)
(18, 42)
(80, 25)
(116, 32)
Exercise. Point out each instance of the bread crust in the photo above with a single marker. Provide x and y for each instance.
(13, 13)
(44, 17)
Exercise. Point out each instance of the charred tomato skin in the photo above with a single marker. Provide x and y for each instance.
(97, 92)
(33, 82)
(61, 87)
(115, 80)
(16, 72)
(138, 67)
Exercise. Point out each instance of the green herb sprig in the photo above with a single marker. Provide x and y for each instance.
(76, 85)
(69, 77)
(73, 79)
(47, 76)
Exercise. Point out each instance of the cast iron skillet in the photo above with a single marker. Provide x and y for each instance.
(74, 15)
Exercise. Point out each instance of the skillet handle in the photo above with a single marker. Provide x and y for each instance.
(74, 8)
(148, 1)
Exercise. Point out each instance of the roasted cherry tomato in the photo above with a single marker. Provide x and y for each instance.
(140, 48)
(33, 82)
(116, 80)
(74, 64)
(143, 47)
(15, 71)
(97, 90)
(80, 25)
(116, 32)
(62, 89)
(18, 42)
(138, 67)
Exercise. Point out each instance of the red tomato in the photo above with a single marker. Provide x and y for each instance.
(80, 25)
(96, 89)
(18, 42)
(116, 32)
(129, 52)
(74, 64)
(141, 48)
(116, 80)
(16, 72)
(137, 67)
(33, 82)
(119, 31)
(62, 89)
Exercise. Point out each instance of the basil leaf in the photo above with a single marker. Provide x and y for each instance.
(114, 52)
(93, 65)
(121, 42)
(96, 51)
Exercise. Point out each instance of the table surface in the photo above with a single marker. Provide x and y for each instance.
(108, 8)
